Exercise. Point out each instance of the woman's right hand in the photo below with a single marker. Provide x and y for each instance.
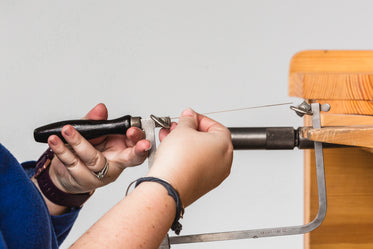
(194, 156)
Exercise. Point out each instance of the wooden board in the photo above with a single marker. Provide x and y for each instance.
(344, 135)
(325, 74)
(352, 86)
(343, 79)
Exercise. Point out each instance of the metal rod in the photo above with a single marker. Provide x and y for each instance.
(271, 138)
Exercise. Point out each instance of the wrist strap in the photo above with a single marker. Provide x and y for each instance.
(176, 226)
(50, 190)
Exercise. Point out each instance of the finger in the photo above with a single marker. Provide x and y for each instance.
(207, 124)
(142, 147)
(133, 135)
(164, 132)
(99, 112)
(81, 177)
(135, 155)
(91, 157)
(65, 155)
(188, 119)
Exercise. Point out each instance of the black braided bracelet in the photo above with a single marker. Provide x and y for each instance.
(176, 226)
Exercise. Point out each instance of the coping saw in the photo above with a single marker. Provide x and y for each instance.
(243, 138)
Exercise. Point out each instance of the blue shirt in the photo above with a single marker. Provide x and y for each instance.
(24, 218)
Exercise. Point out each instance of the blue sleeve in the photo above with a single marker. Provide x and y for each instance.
(2, 242)
(61, 224)
(24, 218)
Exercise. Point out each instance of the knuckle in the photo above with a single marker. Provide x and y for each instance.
(76, 142)
(93, 160)
(73, 163)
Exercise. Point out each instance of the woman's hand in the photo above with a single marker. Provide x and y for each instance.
(195, 156)
(74, 163)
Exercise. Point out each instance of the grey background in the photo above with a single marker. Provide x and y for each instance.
(60, 58)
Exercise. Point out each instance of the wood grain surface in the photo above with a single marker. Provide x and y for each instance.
(344, 135)
(344, 80)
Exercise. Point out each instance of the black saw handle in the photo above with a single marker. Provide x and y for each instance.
(87, 128)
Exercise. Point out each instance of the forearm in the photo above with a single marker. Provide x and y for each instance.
(140, 220)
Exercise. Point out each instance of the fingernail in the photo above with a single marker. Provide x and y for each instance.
(188, 113)
(68, 131)
(150, 147)
(53, 141)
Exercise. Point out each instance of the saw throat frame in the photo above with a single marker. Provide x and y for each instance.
(303, 109)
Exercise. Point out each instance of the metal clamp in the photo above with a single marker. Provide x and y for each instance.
(149, 125)
(314, 110)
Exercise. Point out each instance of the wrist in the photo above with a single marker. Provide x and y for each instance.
(180, 184)
(51, 193)
(53, 208)
(172, 192)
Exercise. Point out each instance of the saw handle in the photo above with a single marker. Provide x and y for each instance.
(89, 129)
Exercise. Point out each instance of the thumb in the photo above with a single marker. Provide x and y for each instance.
(188, 119)
(97, 113)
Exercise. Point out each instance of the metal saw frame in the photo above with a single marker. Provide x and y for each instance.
(314, 110)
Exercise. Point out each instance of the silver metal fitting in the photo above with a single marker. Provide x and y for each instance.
(136, 122)
(164, 122)
(303, 109)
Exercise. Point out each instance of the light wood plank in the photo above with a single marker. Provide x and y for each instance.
(344, 135)
(342, 78)
(332, 61)
(333, 86)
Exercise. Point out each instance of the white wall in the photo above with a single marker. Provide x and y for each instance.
(60, 58)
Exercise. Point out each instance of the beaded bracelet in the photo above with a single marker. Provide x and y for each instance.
(176, 226)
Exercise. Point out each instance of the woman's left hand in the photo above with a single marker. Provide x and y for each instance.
(73, 167)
